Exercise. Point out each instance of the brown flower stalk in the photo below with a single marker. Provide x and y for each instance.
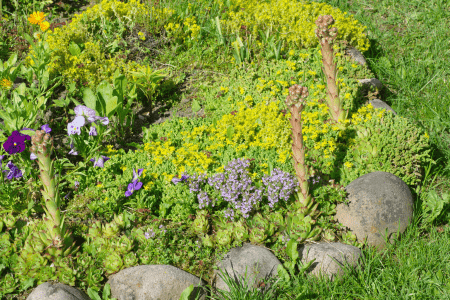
(327, 37)
(296, 101)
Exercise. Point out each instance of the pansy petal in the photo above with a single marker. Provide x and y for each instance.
(137, 185)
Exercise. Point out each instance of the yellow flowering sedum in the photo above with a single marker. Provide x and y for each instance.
(294, 19)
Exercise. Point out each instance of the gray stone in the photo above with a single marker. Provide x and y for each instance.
(377, 103)
(377, 201)
(57, 291)
(356, 55)
(329, 258)
(371, 82)
(258, 262)
(163, 282)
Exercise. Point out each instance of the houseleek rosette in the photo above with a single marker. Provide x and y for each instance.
(57, 240)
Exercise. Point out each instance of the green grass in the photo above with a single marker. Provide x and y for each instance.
(408, 54)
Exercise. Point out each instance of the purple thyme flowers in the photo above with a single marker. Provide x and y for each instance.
(235, 187)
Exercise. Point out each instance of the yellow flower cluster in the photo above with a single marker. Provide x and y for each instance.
(294, 20)
(90, 66)
(38, 18)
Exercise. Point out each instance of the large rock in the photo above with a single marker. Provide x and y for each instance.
(329, 258)
(57, 291)
(371, 82)
(356, 55)
(254, 263)
(162, 282)
(377, 103)
(378, 201)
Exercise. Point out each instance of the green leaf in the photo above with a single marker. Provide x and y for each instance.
(74, 49)
(282, 273)
(230, 132)
(195, 106)
(187, 292)
(89, 98)
(291, 250)
(105, 96)
(93, 294)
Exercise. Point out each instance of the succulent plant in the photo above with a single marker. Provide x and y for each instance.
(5, 245)
(96, 230)
(240, 231)
(261, 222)
(9, 283)
(84, 260)
(139, 235)
(200, 224)
(119, 220)
(58, 241)
(223, 237)
(9, 220)
(144, 257)
(112, 263)
(66, 275)
(299, 228)
(208, 240)
(277, 219)
(329, 235)
(327, 37)
(296, 101)
(257, 235)
(44, 274)
(110, 230)
(123, 245)
(94, 276)
(27, 262)
(130, 260)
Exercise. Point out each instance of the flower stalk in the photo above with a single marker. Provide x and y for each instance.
(296, 101)
(57, 240)
(327, 37)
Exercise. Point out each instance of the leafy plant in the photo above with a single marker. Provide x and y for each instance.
(105, 295)
(109, 100)
(289, 269)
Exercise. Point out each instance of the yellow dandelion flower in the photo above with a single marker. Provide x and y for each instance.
(44, 25)
(36, 17)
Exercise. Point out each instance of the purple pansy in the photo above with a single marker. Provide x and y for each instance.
(104, 120)
(134, 186)
(93, 131)
(85, 112)
(73, 151)
(15, 142)
(100, 161)
(75, 126)
(14, 171)
(176, 180)
(139, 173)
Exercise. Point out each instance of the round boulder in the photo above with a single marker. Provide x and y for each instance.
(377, 201)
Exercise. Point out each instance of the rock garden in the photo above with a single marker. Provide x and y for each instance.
(212, 150)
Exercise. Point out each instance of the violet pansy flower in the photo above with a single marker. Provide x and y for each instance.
(75, 126)
(100, 161)
(85, 112)
(93, 131)
(134, 186)
(176, 180)
(15, 142)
